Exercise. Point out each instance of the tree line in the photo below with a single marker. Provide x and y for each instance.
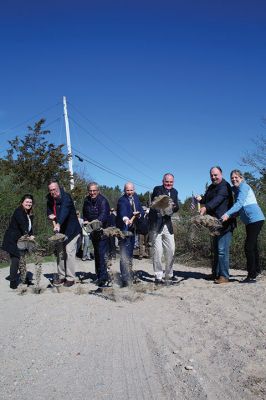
(31, 160)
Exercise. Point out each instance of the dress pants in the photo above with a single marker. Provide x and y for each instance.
(14, 266)
(100, 247)
(163, 243)
(66, 266)
(126, 246)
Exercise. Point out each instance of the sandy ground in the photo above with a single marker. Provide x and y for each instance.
(191, 340)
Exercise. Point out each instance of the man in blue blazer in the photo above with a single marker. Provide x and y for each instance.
(61, 210)
(128, 210)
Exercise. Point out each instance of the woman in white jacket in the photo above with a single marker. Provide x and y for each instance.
(250, 213)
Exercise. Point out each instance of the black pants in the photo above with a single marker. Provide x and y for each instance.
(251, 248)
(14, 268)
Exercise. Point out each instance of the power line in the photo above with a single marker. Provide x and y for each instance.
(27, 120)
(111, 151)
(106, 169)
(111, 139)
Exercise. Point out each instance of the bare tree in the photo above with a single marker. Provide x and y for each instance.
(257, 158)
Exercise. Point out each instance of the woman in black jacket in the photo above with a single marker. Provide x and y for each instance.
(20, 224)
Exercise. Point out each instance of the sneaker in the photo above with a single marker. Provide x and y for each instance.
(69, 283)
(84, 258)
(248, 280)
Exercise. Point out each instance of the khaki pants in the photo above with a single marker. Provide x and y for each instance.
(163, 244)
(67, 265)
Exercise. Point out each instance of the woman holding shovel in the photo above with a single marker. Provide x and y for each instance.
(20, 225)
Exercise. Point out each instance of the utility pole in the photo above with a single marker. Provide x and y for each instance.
(69, 151)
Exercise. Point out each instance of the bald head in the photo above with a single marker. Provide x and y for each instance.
(129, 189)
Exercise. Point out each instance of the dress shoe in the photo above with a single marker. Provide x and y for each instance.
(13, 285)
(174, 279)
(69, 283)
(248, 280)
(59, 281)
(211, 277)
(221, 280)
(102, 283)
(159, 282)
(29, 282)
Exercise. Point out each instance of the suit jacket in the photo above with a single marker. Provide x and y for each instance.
(124, 209)
(65, 214)
(217, 200)
(156, 220)
(19, 226)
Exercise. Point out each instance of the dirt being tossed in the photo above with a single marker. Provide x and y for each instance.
(163, 204)
(214, 225)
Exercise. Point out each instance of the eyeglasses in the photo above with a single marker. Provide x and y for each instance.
(92, 191)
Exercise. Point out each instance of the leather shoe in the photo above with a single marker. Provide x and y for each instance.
(159, 282)
(174, 279)
(13, 285)
(102, 283)
(248, 280)
(68, 283)
(221, 279)
(59, 281)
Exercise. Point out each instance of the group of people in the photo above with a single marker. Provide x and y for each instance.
(226, 203)
(220, 200)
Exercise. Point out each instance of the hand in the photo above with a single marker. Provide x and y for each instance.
(56, 228)
(203, 211)
(225, 217)
(127, 221)
(51, 216)
(32, 237)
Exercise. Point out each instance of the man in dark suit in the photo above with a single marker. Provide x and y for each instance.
(128, 210)
(61, 210)
(96, 206)
(161, 231)
(217, 199)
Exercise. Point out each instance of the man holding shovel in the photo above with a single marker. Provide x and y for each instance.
(61, 210)
(96, 208)
(128, 210)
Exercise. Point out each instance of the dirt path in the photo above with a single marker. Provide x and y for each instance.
(134, 343)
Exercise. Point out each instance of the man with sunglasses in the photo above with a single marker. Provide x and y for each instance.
(96, 207)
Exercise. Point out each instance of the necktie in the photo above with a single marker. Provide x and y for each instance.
(131, 200)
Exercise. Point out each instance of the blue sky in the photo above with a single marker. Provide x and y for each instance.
(152, 86)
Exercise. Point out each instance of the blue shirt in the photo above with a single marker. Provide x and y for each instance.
(246, 205)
